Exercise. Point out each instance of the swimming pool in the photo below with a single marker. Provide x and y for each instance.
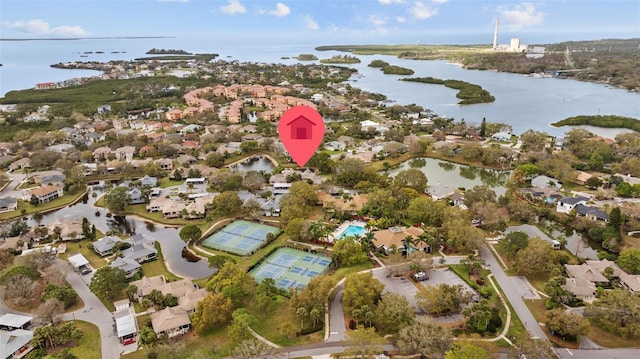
(351, 230)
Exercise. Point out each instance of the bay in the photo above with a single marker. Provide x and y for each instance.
(523, 102)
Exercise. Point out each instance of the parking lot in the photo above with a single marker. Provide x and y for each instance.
(408, 288)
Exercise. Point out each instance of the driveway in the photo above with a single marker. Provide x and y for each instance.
(337, 327)
(399, 285)
(95, 313)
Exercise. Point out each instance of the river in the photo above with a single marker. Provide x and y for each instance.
(168, 237)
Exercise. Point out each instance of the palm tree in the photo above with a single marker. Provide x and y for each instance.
(317, 230)
(301, 312)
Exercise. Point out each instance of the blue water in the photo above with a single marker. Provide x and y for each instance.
(352, 230)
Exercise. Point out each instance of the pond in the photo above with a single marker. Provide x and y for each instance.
(255, 163)
(168, 237)
(455, 175)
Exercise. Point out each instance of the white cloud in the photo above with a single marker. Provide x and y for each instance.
(40, 27)
(421, 11)
(310, 23)
(439, 1)
(183, 1)
(377, 20)
(519, 16)
(389, 2)
(234, 7)
(280, 10)
(401, 19)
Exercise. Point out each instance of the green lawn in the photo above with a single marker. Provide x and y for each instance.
(29, 209)
(89, 345)
(81, 247)
(157, 267)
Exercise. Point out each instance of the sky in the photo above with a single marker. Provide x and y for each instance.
(326, 21)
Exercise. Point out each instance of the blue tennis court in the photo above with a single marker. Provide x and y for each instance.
(240, 237)
(290, 268)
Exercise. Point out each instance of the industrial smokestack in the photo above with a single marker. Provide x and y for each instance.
(495, 36)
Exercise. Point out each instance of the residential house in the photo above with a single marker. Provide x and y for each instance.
(534, 232)
(439, 192)
(8, 204)
(155, 137)
(165, 163)
(347, 203)
(281, 188)
(46, 194)
(581, 288)
(147, 284)
(592, 213)
(104, 108)
(396, 237)
(20, 164)
(582, 177)
(104, 246)
(129, 266)
(170, 322)
(457, 200)
(567, 204)
(501, 136)
(141, 253)
(79, 263)
(190, 300)
(101, 153)
(546, 182)
(369, 125)
(15, 344)
(125, 153)
(173, 115)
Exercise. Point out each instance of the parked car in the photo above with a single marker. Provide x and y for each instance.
(420, 276)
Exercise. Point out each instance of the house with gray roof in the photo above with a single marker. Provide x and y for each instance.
(15, 343)
(12, 321)
(567, 204)
(104, 246)
(149, 181)
(8, 204)
(546, 182)
(592, 213)
(141, 253)
(129, 266)
(438, 192)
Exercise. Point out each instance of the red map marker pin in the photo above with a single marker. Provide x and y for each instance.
(301, 130)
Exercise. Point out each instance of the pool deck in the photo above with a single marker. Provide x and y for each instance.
(333, 236)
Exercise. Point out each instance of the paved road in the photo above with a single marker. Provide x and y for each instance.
(337, 326)
(599, 353)
(95, 313)
(514, 297)
(16, 179)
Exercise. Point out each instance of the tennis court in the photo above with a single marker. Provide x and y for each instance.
(290, 268)
(240, 237)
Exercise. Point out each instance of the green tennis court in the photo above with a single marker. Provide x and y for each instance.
(240, 237)
(290, 268)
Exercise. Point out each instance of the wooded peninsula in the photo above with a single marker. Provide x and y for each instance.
(468, 93)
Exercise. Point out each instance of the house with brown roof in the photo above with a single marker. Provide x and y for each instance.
(46, 194)
(585, 278)
(173, 115)
(189, 301)
(170, 322)
(347, 204)
(125, 153)
(395, 237)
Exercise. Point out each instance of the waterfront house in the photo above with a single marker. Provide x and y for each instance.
(129, 266)
(105, 245)
(189, 301)
(546, 182)
(567, 204)
(142, 252)
(439, 192)
(501, 136)
(592, 213)
(46, 194)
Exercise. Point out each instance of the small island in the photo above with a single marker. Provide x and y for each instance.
(344, 59)
(306, 57)
(397, 70)
(606, 121)
(198, 57)
(155, 51)
(284, 58)
(468, 93)
(378, 63)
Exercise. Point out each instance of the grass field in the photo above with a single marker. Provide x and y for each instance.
(30, 209)
(89, 345)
